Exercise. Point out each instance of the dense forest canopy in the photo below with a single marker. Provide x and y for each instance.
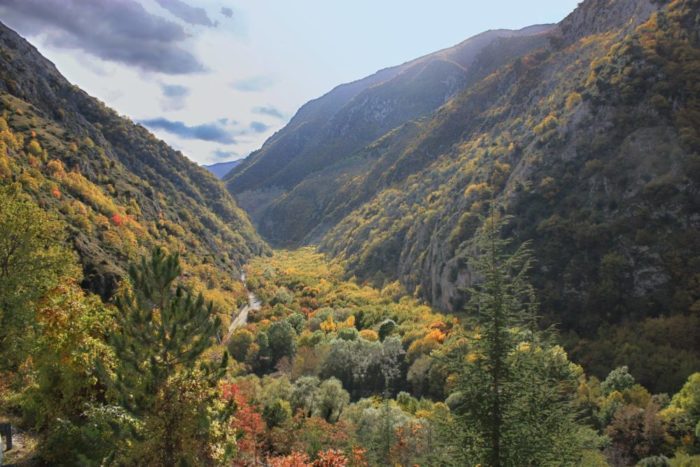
(498, 268)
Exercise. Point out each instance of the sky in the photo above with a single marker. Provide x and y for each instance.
(216, 78)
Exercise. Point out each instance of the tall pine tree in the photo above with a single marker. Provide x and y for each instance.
(512, 385)
(163, 330)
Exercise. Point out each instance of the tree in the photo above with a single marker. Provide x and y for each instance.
(248, 423)
(163, 330)
(617, 380)
(512, 387)
(683, 413)
(276, 413)
(282, 337)
(239, 343)
(32, 262)
(68, 391)
(330, 399)
(304, 394)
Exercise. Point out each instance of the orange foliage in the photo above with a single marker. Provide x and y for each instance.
(295, 459)
(357, 457)
(56, 168)
(248, 423)
(436, 335)
(331, 458)
(117, 219)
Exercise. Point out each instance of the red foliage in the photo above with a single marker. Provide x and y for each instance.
(357, 457)
(248, 423)
(56, 193)
(331, 458)
(295, 459)
(117, 220)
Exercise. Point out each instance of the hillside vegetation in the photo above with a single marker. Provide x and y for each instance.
(119, 190)
(287, 184)
(507, 271)
(590, 142)
(329, 370)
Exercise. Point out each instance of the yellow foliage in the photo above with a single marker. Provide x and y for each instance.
(548, 123)
(55, 168)
(573, 100)
(475, 188)
(90, 192)
(329, 325)
(34, 148)
(5, 168)
(369, 335)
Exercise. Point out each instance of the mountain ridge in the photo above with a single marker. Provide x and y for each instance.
(589, 142)
(221, 169)
(96, 168)
(341, 122)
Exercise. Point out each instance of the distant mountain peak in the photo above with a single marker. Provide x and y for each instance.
(221, 169)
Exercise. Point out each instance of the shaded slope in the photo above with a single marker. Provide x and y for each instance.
(326, 132)
(593, 146)
(221, 169)
(119, 188)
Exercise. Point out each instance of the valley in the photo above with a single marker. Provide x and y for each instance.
(484, 256)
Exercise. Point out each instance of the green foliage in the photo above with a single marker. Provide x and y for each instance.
(239, 343)
(282, 337)
(683, 414)
(514, 388)
(618, 380)
(277, 413)
(654, 461)
(32, 261)
(69, 354)
(386, 328)
(330, 400)
(162, 332)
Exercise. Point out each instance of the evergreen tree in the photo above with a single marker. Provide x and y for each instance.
(163, 330)
(511, 404)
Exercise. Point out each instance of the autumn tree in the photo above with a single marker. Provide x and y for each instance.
(32, 261)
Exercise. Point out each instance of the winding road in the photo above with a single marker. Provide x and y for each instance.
(241, 317)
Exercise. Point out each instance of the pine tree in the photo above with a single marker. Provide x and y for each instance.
(163, 330)
(510, 405)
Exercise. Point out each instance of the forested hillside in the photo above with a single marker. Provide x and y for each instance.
(288, 183)
(119, 189)
(495, 262)
(590, 142)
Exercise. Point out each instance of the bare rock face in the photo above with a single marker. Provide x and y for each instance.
(601, 16)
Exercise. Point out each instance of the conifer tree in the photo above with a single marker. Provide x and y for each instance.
(163, 330)
(512, 385)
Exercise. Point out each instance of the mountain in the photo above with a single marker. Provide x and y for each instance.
(120, 190)
(587, 134)
(285, 184)
(220, 169)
